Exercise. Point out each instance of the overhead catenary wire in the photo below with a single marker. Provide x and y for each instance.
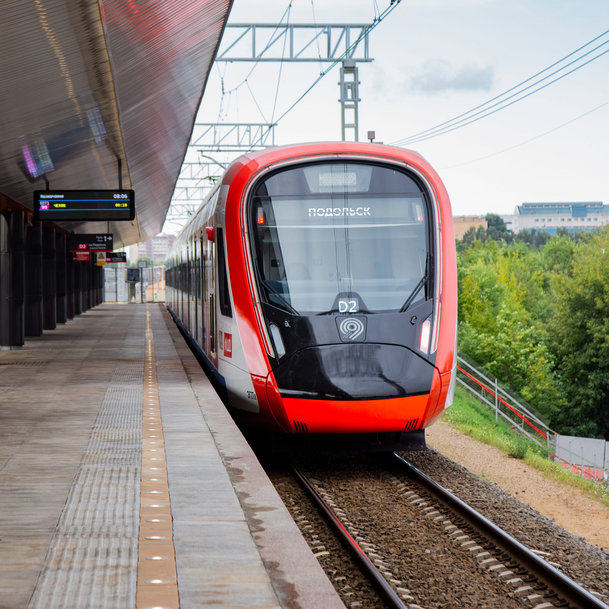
(514, 94)
(486, 103)
(529, 140)
(285, 39)
(316, 38)
(489, 113)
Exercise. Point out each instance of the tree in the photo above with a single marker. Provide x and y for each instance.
(580, 337)
(496, 228)
(501, 302)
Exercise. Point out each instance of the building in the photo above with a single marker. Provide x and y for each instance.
(463, 223)
(549, 217)
(156, 248)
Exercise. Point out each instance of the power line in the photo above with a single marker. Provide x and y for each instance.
(514, 87)
(488, 108)
(502, 107)
(531, 139)
(280, 68)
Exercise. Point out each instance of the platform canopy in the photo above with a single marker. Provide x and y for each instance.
(88, 85)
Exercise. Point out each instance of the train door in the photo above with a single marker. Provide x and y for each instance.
(195, 289)
(203, 291)
(188, 318)
(210, 276)
(182, 286)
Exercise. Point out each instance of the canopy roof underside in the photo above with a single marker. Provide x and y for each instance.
(88, 85)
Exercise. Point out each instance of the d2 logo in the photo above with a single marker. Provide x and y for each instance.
(348, 305)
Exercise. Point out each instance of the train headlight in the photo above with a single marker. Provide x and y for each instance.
(425, 335)
(277, 340)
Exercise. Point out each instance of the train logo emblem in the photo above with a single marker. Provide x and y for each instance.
(351, 329)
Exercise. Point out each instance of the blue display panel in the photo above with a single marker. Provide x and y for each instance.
(84, 205)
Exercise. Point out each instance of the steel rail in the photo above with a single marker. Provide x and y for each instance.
(358, 554)
(564, 587)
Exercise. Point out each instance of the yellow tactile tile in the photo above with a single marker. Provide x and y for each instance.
(157, 585)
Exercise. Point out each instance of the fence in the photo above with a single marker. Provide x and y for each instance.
(150, 288)
(588, 457)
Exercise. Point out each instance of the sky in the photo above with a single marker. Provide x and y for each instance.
(433, 60)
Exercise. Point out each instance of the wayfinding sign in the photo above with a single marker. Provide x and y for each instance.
(103, 242)
(116, 257)
(84, 205)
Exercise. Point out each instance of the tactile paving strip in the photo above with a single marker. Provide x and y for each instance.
(92, 558)
(157, 586)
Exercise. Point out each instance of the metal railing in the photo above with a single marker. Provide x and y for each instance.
(582, 456)
(504, 404)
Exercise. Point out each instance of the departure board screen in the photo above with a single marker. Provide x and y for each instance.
(84, 205)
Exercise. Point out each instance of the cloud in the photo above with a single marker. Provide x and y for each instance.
(440, 76)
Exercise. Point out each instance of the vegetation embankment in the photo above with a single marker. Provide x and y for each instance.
(534, 312)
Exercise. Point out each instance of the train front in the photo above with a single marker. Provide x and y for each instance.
(346, 261)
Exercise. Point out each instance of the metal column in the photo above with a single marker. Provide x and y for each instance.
(349, 99)
(17, 300)
(77, 292)
(5, 280)
(49, 279)
(61, 246)
(12, 278)
(33, 280)
(70, 291)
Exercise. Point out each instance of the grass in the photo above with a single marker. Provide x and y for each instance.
(472, 417)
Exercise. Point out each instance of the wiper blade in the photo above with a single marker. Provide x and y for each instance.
(414, 293)
(423, 282)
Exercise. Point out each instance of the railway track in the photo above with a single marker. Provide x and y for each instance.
(560, 590)
(487, 568)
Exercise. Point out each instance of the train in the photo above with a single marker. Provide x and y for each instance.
(317, 284)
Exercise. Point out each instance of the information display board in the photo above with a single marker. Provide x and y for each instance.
(84, 205)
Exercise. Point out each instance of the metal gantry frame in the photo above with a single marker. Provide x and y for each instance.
(307, 42)
(232, 137)
(300, 42)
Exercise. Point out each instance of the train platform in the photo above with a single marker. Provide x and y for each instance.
(125, 484)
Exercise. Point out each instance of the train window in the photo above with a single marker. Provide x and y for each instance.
(223, 292)
(337, 234)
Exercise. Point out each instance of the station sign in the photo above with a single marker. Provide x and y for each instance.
(84, 205)
(116, 257)
(103, 242)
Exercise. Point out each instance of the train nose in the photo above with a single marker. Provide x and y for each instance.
(354, 371)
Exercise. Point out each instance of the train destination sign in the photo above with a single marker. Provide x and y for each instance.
(91, 243)
(84, 205)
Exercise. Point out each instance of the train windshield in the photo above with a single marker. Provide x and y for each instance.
(340, 237)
